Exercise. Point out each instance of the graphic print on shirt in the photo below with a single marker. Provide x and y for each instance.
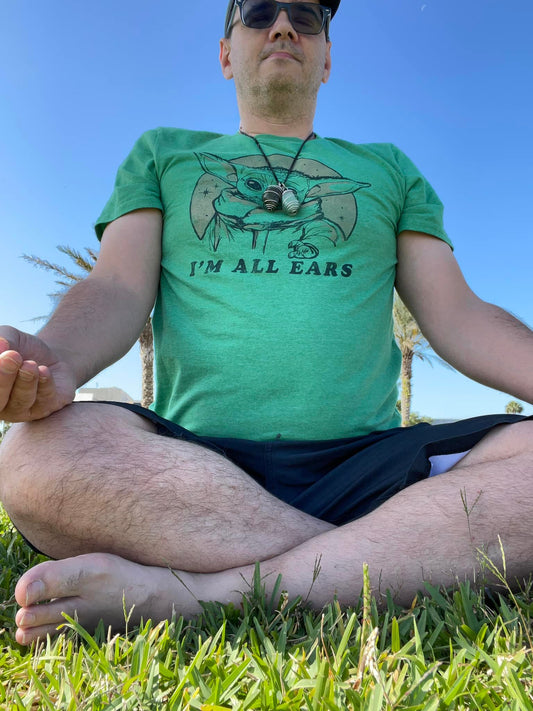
(227, 205)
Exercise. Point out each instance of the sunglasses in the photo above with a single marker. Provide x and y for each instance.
(306, 17)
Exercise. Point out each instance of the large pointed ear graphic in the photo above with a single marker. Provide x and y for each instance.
(218, 167)
(328, 187)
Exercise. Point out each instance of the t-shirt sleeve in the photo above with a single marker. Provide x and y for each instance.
(136, 184)
(422, 210)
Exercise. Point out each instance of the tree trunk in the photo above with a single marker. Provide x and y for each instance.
(146, 341)
(406, 376)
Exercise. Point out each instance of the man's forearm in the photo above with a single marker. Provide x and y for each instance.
(94, 325)
(494, 348)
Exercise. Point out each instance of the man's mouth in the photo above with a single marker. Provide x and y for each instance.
(280, 53)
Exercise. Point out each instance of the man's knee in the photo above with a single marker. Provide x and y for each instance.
(38, 459)
(504, 443)
(24, 441)
(514, 440)
(14, 449)
(35, 455)
(23, 454)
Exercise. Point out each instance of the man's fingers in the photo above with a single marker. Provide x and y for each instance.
(20, 397)
(25, 387)
(46, 393)
(28, 388)
(44, 372)
(10, 363)
(4, 345)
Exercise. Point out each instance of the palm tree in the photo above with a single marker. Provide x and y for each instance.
(67, 278)
(514, 408)
(412, 344)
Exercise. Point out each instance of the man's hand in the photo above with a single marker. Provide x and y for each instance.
(96, 322)
(33, 381)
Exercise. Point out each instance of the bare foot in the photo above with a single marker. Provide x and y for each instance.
(98, 586)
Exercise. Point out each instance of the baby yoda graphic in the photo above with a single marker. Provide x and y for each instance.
(328, 211)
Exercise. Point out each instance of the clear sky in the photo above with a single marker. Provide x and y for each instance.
(448, 81)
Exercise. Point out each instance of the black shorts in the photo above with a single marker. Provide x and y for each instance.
(343, 479)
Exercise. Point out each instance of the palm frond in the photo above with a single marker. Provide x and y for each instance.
(51, 267)
(431, 358)
(68, 277)
(82, 262)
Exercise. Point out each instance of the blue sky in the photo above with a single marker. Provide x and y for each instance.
(448, 81)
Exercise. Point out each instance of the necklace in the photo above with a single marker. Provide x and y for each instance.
(280, 194)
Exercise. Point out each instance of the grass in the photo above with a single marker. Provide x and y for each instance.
(459, 649)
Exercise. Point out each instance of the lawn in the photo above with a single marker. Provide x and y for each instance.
(456, 649)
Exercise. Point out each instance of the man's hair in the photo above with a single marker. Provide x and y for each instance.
(332, 4)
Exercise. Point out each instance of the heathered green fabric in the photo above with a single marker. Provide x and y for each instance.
(267, 325)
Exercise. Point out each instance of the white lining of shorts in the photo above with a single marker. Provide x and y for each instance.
(441, 463)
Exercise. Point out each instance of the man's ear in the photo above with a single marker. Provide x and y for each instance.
(327, 63)
(224, 58)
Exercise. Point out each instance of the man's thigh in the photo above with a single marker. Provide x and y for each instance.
(360, 475)
(341, 480)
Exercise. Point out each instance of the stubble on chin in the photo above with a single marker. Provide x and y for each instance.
(279, 95)
(276, 88)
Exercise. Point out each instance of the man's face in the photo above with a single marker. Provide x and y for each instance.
(275, 60)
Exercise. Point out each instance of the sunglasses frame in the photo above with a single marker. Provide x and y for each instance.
(326, 17)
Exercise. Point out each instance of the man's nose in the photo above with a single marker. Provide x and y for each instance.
(282, 27)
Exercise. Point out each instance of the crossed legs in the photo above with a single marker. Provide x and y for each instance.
(121, 506)
(97, 478)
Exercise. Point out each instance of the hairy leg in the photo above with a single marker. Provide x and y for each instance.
(96, 478)
(434, 531)
(442, 530)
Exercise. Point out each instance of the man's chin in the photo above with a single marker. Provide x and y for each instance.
(280, 83)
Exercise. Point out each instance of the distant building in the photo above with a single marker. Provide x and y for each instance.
(99, 394)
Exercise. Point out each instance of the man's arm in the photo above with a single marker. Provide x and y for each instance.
(94, 325)
(481, 340)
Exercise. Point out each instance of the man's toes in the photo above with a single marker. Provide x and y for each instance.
(60, 578)
(32, 634)
(89, 588)
(49, 614)
(33, 587)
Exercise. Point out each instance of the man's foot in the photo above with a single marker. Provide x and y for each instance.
(98, 586)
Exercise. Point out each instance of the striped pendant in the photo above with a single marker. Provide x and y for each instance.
(272, 197)
(290, 202)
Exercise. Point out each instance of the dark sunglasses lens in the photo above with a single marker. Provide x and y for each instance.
(306, 18)
(258, 14)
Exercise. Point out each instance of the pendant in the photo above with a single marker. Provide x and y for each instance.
(272, 197)
(290, 202)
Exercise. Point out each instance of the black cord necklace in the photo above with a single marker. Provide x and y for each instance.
(280, 194)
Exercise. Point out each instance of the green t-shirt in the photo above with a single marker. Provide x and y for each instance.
(267, 325)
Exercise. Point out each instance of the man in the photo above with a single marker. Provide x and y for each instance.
(271, 256)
